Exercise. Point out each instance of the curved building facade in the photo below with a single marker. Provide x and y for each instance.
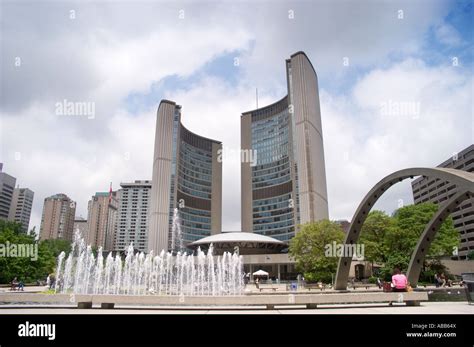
(186, 175)
(286, 185)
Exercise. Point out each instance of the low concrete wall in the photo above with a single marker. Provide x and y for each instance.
(25, 297)
(310, 300)
(457, 267)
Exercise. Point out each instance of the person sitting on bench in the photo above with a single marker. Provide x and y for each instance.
(399, 281)
(17, 285)
(14, 284)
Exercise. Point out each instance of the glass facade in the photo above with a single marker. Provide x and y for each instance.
(176, 125)
(273, 213)
(284, 184)
(194, 185)
(187, 176)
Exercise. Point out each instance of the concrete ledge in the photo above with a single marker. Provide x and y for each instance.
(413, 303)
(24, 297)
(270, 301)
(84, 304)
(107, 305)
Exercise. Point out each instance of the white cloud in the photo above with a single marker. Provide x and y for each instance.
(212, 108)
(133, 65)
(111, 51)
(378, 144)
(54, 158)
(448, 35)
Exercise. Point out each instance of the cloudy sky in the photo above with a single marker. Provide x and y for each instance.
(124, 57)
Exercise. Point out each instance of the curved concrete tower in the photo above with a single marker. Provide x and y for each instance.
(286, 186)
(186, 174)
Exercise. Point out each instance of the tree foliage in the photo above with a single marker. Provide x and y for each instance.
(308, 249)
(391, 240)
(28, 269)
(388, 241)
(373, 235)
(56, 246)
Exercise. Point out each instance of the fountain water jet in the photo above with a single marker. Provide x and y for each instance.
(176, 236)
(147, 274)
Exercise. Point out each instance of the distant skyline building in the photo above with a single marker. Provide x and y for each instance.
(57, 220)
(132, 218)
(186, 175)
(101, 220)
(81, 225)
(287, 186)
(427, 189)
(344, 224)
(20, 209)
(7, 186)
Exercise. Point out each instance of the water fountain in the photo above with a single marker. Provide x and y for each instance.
(148, 274)
(176, 237)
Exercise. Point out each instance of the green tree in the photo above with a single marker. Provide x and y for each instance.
(308, 249)
(470, 255)
(395, 260)
(10, 267)
(409, 223)
(56, 246)
(27, 269)
(49, 251)
(374, 232)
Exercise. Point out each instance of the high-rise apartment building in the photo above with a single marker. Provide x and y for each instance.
(57, 221)
(427, 189)
(20, 209)
(101, 220)
(283, 180)
(7, 186)
(132, 218)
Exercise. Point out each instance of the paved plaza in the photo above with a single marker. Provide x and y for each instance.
(425, 308)
(460, 307)
(251, 288)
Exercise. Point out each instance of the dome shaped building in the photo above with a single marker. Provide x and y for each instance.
(243, 242)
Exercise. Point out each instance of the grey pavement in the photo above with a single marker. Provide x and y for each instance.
(425, 308)
(28, 289)
(250, 288)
